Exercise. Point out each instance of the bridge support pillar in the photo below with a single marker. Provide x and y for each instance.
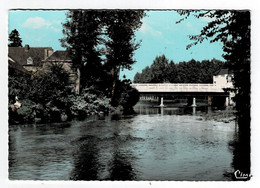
(209, 100)
(161, 102)
(194, 102)
(227, 101)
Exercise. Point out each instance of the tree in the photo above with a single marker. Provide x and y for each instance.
(210, 68)
(182, 72)
(172, 73)
(160, 69)
(137, 78)
(120, 46)
(14, 38)
(82, 31)
(146, 75)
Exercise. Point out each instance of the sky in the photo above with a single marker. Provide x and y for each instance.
(159, 34)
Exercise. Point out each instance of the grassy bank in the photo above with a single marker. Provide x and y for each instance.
(225, 116)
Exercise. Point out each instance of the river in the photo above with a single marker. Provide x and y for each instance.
(154, 144)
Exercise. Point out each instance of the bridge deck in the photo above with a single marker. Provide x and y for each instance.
(178, 88)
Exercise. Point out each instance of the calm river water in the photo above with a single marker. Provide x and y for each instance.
(154, 144)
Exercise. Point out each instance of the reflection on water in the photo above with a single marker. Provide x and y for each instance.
(155, 144)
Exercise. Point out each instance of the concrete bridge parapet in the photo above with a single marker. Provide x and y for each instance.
(141, 87)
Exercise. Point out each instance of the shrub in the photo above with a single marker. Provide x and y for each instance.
(126, 96)
(27, 111)
(88, 103)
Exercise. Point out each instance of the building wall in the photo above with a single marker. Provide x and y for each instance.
(224, 80)
(31, 68)
(67, 66)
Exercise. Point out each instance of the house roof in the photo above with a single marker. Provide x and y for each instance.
(16, 66)
(59, 55)
(224, 71)
(21, 54)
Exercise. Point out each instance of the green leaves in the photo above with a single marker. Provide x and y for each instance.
(163, 71)
(87, 103)
(91, 35)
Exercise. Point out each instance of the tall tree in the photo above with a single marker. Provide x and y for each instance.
(82, 31)
(160, 69)
(14, 38)
(137, 78)
(183, 71)
(120, 29)
(172, 72)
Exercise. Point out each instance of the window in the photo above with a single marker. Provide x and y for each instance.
(29, 61)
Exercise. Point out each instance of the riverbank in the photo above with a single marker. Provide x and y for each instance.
(225, 116)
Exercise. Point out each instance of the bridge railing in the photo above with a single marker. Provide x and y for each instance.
(177, 87)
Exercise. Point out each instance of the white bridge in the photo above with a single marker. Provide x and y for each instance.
(159, 90)
(155, 88)
(216, 89)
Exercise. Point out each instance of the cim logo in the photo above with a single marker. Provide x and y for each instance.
(241, 176)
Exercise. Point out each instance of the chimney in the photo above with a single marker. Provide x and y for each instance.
(47, 53)
(26, 48)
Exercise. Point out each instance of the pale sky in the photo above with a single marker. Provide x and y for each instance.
(159, 35)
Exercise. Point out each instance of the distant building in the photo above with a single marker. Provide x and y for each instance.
(30, 58)
(13, 67)
(33, 60)
(224, 80)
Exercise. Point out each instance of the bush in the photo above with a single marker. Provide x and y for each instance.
(126, 96)
(88, 103)
(26, 112)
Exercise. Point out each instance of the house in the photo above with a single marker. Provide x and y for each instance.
(224, 80)
(30, 58)
(13, 67)
(34, 60)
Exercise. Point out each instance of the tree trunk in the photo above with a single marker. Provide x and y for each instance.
(77, 87)
(115, 77)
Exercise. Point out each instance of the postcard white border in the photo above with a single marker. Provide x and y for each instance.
(130, 4)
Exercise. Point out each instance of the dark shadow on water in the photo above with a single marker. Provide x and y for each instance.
(241, 148)
(87, 153)
(121, 168)
(85, 159)
(122, 158)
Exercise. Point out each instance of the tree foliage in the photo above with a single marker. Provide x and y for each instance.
(110, 34)
(163, 71)
(82, 35)
(14, 38)
(120, 27)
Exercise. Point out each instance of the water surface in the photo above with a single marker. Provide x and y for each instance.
(154, 144)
